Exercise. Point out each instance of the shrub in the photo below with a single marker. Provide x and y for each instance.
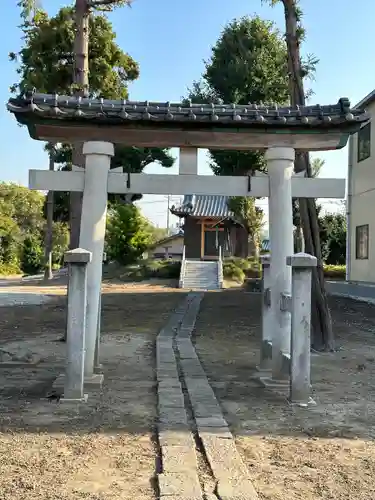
(9, 269)
(334, 272)
(32, 255)
(162, 269)
(232, 272)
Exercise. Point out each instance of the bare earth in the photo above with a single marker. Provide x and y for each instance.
(106, 449)
(325, 452)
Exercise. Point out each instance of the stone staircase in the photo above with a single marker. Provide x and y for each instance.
(201, 275)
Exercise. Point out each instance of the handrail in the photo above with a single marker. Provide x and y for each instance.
(183, 265)
(220, 268)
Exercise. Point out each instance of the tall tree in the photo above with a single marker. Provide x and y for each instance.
(251, 218)
(79, 83)
(294, 35)
(247, 64)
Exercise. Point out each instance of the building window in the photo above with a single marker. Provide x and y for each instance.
(364, 143)
(361, 242)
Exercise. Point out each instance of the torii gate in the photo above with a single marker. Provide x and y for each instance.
(277, 131)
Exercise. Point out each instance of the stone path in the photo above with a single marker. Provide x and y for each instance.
(199, 459)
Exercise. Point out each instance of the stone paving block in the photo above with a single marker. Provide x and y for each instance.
(227, 464)
(206, 410)
(236, 490)
(170, 398)
(174, 437)
(166, 372)
(214, 421)
(219, 432)
(178, 458)
(187, 354)
(170, 383)
(181, 485)
(172, 416)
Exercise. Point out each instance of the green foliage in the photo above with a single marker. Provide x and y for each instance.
(232, 272)
(248, 64)
(22, 227)
(32, 254)
(51, 71)
(335, 272)
(237, 269)
(128, 234)
(333, 238)
(250, 216)
(160, 269)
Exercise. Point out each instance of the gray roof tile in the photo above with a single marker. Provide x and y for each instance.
(204, 206)
(60, 107)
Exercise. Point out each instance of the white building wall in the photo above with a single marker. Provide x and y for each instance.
(175, 247)
(361, 206)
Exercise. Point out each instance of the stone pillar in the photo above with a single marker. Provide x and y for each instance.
(94, 212)
(267, 319)
(77, 261)
(280, 163)
(302, 264)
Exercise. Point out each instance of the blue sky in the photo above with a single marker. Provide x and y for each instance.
(171, 38)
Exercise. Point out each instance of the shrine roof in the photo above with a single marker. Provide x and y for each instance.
(203, 206)
(60, 118)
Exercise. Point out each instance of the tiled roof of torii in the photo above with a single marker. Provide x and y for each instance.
(59, 107)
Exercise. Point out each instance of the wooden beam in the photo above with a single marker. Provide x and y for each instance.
(202, 240)
(45, 180)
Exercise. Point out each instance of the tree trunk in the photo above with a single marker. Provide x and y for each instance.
(49, 228)
(322, 333)
(81, 85)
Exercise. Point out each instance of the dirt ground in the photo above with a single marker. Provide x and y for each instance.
(325, 452)
(106, 448)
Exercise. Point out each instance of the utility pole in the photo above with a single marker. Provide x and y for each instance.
(168, 212)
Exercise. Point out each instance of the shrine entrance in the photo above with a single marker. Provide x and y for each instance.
(212, 238)
(280, 132)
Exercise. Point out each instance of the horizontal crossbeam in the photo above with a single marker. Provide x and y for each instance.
(45, 180)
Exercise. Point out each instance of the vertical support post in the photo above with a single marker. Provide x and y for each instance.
(280, 163)
(202, 239)
(77, 261)
(188, 161)
(268, 326)
(302, 264)
(94, 212)
(97, 364)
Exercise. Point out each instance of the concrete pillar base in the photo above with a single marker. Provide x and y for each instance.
(74, 401)
(95, 381)
(279, 386)
(262, 373)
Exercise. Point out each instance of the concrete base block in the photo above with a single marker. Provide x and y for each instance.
(280, 386)
(261, 373)
(74, 401)
(95, 381)
(59, 382)
(98, 369)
